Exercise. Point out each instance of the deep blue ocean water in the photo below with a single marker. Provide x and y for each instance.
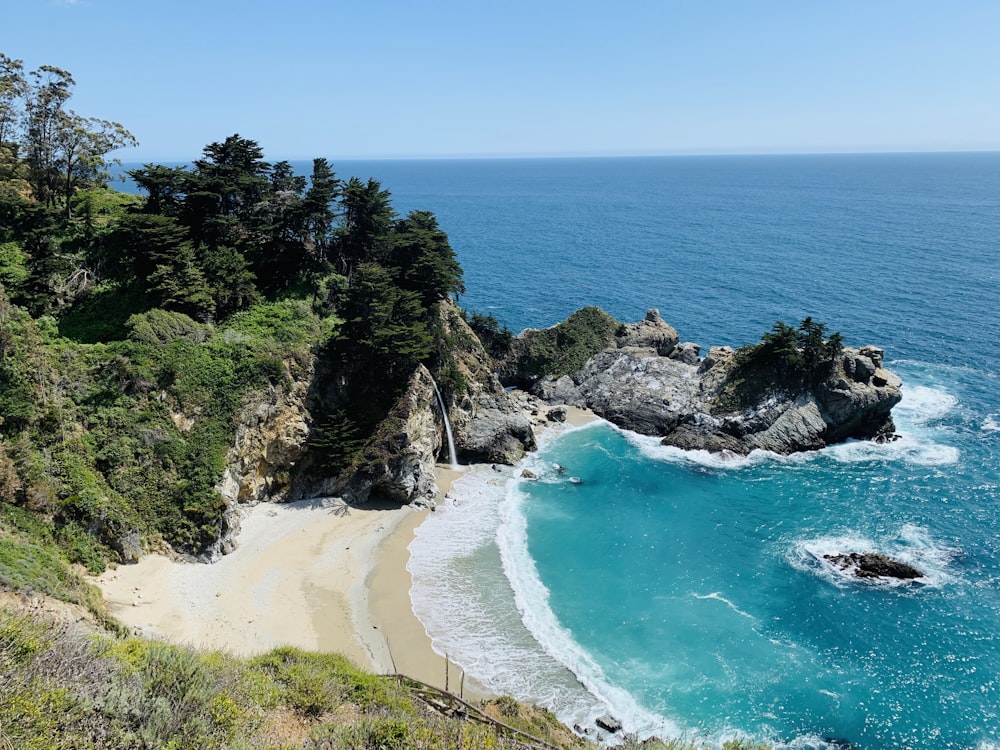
(684, 594)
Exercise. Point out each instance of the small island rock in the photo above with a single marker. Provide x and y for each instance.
(868, 565)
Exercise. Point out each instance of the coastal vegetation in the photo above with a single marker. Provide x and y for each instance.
(559, 350)
(786, 358)
(67, 685)
(134, 329)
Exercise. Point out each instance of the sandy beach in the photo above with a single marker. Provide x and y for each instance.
(315, 574)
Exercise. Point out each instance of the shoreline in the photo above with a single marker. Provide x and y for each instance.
(314, 574)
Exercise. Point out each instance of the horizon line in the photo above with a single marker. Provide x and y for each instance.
(592, 155)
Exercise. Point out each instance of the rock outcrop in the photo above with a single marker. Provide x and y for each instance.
(399, 465)
(649, 384)
(398, 461)
(270, 439)
(869, 565)
(489, 426)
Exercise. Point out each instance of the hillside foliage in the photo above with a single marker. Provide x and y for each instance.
(62, 685)
(561, 349)
(134, 328)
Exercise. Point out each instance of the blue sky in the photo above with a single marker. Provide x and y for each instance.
(387, 78)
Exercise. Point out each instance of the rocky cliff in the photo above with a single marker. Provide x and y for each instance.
(650, 383)
(270, 440)
(489, 425)
(271, 458)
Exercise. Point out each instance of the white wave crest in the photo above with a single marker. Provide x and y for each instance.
(651, 448)
(510, 643)
(921, 405)
(991, 423)
(907, 447)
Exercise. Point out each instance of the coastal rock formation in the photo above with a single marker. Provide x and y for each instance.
(868, 565)
(489, 425)
(270, 439)
(652, 332)
(399, 465)
(649, 384)
(397, 462)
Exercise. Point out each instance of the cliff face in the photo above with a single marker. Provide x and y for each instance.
(271, 459)
(489, 425)
(651, 384)
(270, 440)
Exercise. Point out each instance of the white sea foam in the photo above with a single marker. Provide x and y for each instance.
(532, 600)
(911, 544)
(918, 440)
(908, 447)
(921, 405)
(651, 448)
(991, 423)
(473, 615)
(719, 597)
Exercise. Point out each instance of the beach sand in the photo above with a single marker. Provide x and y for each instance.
(315, 574)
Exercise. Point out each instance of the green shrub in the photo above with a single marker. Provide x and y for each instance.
(564, 348)
(158, 326)
(13, 266)
(102, 314)
(495, 338)
(290, 322)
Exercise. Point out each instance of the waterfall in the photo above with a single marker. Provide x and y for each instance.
(447, 428)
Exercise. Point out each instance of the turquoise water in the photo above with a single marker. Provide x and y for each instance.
(683, 593)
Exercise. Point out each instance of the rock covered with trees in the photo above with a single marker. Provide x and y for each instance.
(797, 389)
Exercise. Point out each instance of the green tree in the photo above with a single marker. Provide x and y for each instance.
(13, 89)
(180, 284)
(166, 187)
(141, 242)
(82, 146)
(367, 219)
(64, 150)
(422, 252)
(386, 324)
(319, 213)
(234, 171)
(231, 281)
(45, 116)
(284, 180)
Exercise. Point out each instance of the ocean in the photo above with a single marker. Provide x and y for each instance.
(682, 593)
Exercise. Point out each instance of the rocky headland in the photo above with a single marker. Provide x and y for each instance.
(644, 379)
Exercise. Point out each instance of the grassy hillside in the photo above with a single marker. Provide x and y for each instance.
(68, 686)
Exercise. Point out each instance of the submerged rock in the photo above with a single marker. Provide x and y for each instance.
(873, 565)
